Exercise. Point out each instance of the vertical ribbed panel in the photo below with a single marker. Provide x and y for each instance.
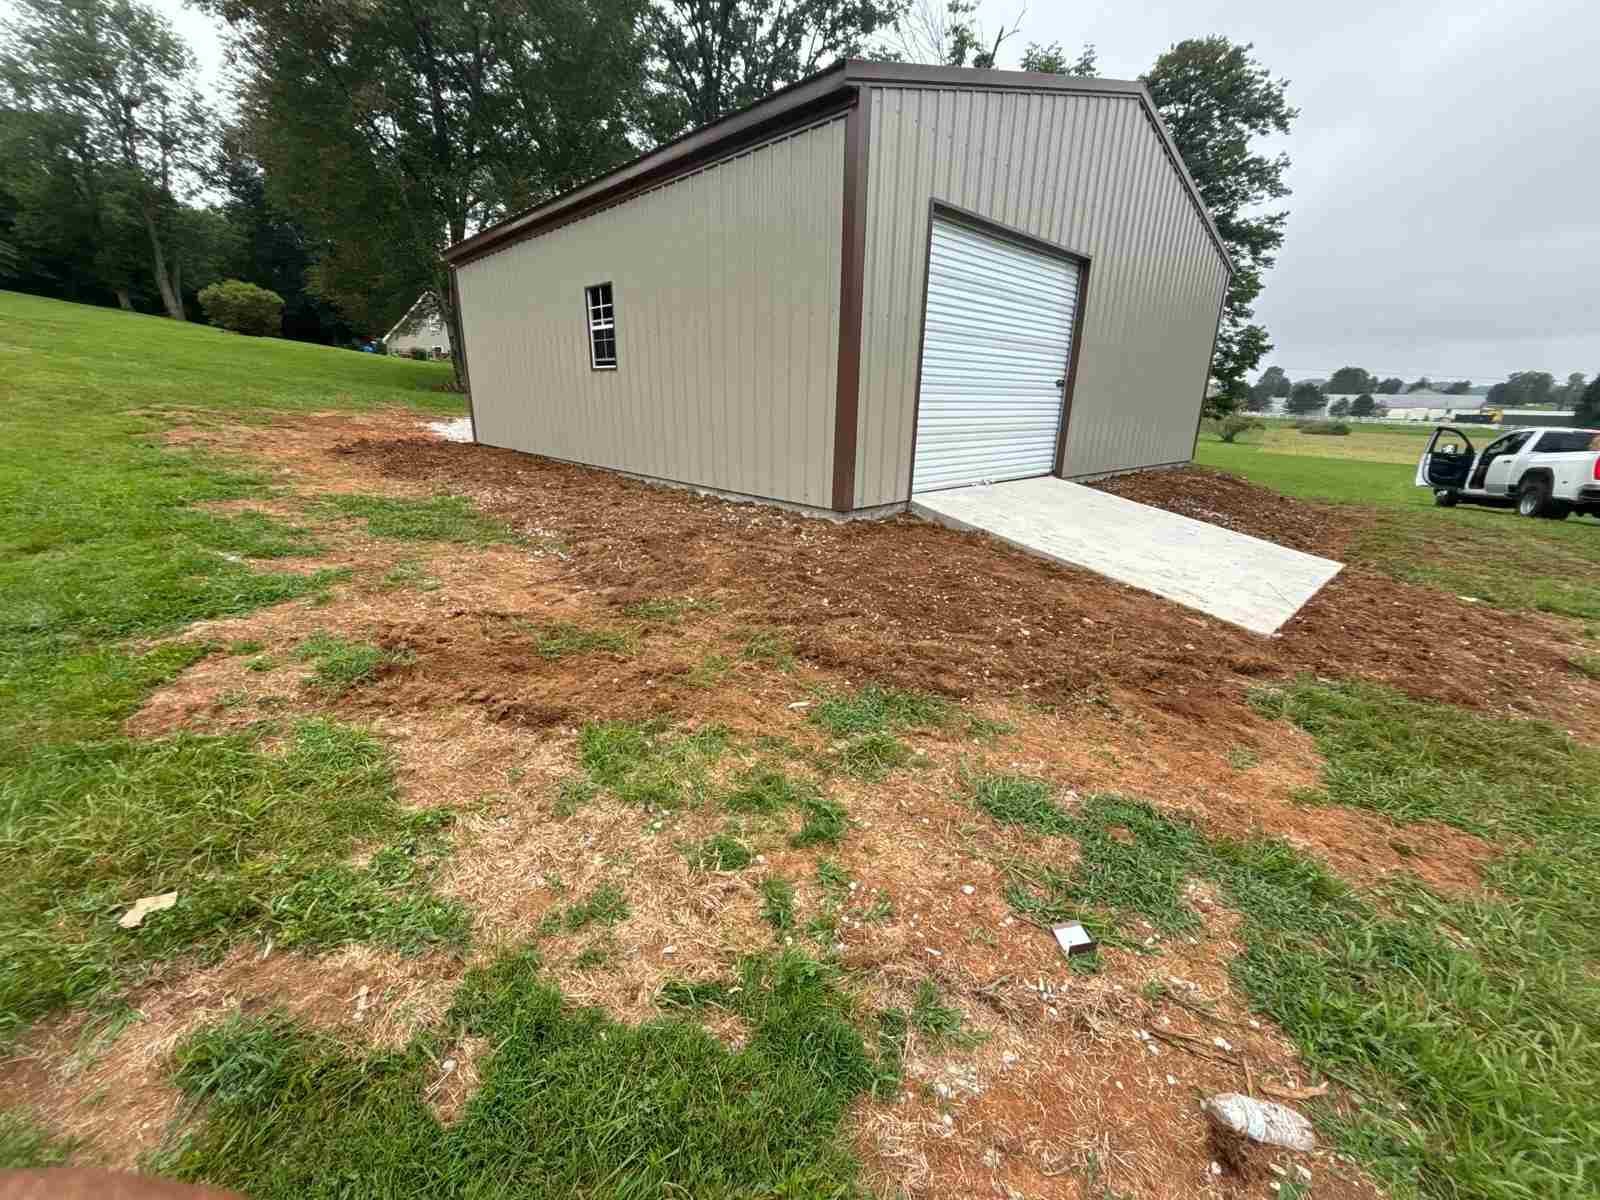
(1085, 172)
(726, 284)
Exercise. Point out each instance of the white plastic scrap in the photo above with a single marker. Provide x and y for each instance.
(1261, 1121)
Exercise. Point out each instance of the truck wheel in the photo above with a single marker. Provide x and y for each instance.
(1445, 498)
(1534, 499)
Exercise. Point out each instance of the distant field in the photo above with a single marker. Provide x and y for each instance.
(1367, 443)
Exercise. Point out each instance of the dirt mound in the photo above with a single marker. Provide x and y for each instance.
(923, 606)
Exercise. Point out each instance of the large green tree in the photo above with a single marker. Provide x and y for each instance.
(1392, 386)
(713, 56)
(1304, 398)
(119, 87)
(1217, 100)
(392, 130)
(1272, 383)
(1351, 381)
(1522, 389)
(1053, 60)
(1587, 412)
(1570, 393)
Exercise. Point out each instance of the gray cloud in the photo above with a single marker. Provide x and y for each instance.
(1445, 172)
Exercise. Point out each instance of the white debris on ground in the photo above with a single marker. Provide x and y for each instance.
(459, 430)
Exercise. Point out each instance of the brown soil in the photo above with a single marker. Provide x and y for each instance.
(1106, 688)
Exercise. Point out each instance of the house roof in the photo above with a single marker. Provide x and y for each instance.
(406, 316)
(824, 94)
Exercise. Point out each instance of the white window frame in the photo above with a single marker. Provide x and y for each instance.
(600, 312)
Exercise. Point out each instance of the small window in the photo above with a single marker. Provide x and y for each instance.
(1566, 443)
(602, 327)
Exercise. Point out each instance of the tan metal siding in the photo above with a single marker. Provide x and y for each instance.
(726, 284)
(1087, 172)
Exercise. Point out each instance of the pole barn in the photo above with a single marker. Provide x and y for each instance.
(880, 281)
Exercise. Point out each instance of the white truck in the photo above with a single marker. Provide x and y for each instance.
(1543, 472)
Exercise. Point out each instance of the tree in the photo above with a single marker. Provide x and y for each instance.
(1572, 391)
(1305, 397)
(394, 130)
(1350, 381)
(1364, 406)
(1216, 99)
(1523, 389)
(1423, 384)
(1390, 386)
(1339, 408)
(118, 76)
(1588, 411)
(713, 56)
(1272, 383)
(1460, 387)
(946, 32)
(1052, 60)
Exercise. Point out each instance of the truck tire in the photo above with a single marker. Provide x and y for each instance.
(1445, 498)
(1534, 498)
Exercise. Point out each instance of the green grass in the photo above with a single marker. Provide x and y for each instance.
(24, 1143)
(668, 610)
(1471, 1024)
(103, 542)
(606, 905)
(436, 519)
(571, 1103)
(767, 789)
(341, 664)
(939, 1023)
(564, 639)
(769, 647)
(1506, 561)
(646, 764)
(1587, 665)
(875, 709)
(777, 903)
(1020, 800)
(253, 842)
(720, 852)
(872, 756)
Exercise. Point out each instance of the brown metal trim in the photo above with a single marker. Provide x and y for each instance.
(459, 333)
(1205, 384)
(922, 337)
(1009, 233)
(1074, 354)
(793, 108)
(852, 290)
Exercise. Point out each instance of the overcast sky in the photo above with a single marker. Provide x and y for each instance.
(1446, 171)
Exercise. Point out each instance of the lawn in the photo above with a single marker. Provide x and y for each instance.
(519, 850)
(1491, 554)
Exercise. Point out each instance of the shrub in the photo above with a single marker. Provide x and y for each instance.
(418, 353)
(1230, 427)
(1329, 428)
(243, 308)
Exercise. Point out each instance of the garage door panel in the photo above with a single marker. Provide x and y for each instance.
(996, 338)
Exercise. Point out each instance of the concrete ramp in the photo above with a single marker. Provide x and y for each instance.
(1232, 576)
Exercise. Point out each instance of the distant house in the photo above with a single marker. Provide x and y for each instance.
(422, 328)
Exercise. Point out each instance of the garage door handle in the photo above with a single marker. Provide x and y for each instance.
(1061, 383)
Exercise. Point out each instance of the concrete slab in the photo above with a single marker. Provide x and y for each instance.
(1238, 578)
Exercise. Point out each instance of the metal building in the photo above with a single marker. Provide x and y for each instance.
(884, 279)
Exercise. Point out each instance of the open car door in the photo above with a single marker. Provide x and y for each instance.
(1447, 462)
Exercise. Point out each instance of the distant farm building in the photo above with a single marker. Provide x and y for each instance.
(422, 328)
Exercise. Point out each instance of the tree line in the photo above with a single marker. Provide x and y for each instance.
(367, 137)
(1521, 389)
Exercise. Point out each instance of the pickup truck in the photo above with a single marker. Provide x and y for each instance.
(1543, 472)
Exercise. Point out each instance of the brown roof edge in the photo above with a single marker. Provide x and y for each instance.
(794, 105)
(834, 87)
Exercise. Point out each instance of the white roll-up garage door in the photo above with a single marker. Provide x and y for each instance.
(997, 338)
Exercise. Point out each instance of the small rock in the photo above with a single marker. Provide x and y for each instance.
(1172, 1081)
(669, 950)
(448, 1065)
(1008, 1058)
(935, 953)
(991, 1158)
(1277, 1170)
(1260, 1120)
(967, 889)
(1301, 1173)
(1221, 1043)
(1254, 1024)
(1216, 1168)
(948, 1119)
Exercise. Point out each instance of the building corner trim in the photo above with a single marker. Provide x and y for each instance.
(852, 289)
(459, 334)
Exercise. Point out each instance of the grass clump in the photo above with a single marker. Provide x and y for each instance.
(770, 647)
(988, 730)
(561, 640)
(645, 764)
(824, 824)
(436, 519)
(24, 1143)
(720, 852)
(606, 905)
(572, 1103)
(777, 903)
(252, 842)
(873, 755)
(767, 789)
(941, 1024)
(1587, 665)
(1021, 800)
(668, 610)
(573, 793)
(341, 664)
(878, 709)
